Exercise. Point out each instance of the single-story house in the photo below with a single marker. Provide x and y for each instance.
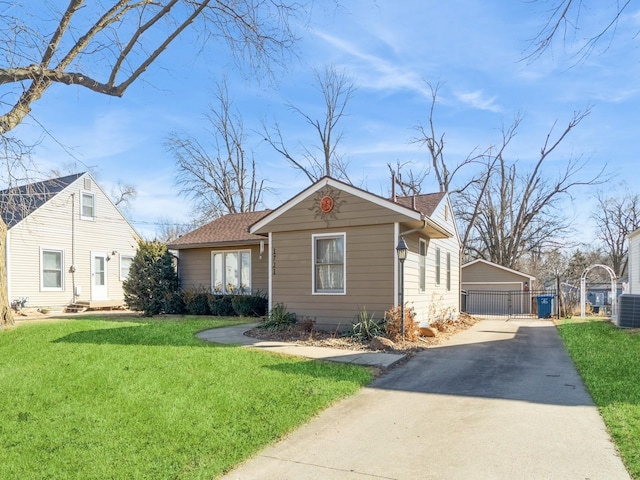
(67, 243)
(223, 256)
(491, 289)
(330, 252)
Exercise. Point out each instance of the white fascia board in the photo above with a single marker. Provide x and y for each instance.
(324, 182)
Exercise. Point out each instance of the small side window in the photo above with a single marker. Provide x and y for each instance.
(88, 206)
(51, 274)
(125, 266)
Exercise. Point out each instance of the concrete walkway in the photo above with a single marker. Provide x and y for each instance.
(501, 400)
(235, 336)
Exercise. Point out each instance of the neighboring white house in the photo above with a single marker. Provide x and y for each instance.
(66, 243)
(634, 263)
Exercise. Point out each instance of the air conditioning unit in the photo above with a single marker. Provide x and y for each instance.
(629, 311)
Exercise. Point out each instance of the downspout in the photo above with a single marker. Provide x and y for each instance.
(424, 224)
(7, 260)
(270, 276)
(73, 246)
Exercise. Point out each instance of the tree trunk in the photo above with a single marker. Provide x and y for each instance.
(6, 317)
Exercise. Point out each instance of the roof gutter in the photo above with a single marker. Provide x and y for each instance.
(417, 229)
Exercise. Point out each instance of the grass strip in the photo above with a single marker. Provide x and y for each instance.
(608, 360)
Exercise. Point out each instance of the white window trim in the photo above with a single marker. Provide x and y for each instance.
(52, 289)
(240, 279)
(438, 266)
(120, 270)
(95, 214)
(313, 262)
(423, 268)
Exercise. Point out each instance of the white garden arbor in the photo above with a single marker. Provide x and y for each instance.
(583, 288)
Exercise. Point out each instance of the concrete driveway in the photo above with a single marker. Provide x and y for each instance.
(501, 400)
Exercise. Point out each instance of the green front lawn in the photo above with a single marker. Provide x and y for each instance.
(142, 398)
(608, 360)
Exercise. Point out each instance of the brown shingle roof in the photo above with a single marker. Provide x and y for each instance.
(232, 228)
(425, 203)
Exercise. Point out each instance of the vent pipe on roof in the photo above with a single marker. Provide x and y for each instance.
(393, 187)
(413, 202)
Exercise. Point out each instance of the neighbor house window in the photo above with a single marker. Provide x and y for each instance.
(88, 207)
(329, 267)
(125, 266)
(231, 271)
(437, 266)
(448, 271)
(423, 265)
(52, 277)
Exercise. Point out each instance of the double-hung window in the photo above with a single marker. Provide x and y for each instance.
(448, 271)
(437, 266)
(329, 265)
(88, 206)
(51, 275)
(125, 266)
(422, 274)
(231, 271)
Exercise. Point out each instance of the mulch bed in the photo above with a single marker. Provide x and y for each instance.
(307, 335)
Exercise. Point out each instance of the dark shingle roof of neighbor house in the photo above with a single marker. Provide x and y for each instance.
(18, 203)
(232, 228)
(424, 203)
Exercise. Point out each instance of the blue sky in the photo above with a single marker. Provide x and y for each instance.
(475, 49)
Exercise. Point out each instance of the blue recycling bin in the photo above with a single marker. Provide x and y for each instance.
(545, 304)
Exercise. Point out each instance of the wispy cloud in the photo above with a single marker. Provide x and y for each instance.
(373, 71)
(479, 101)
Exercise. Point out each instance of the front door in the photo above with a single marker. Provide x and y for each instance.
(99, 276)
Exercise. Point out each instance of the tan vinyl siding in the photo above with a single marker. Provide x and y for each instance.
(483, 273)
(195, 266)
(349, 210)
(370, 253)
(50, 227)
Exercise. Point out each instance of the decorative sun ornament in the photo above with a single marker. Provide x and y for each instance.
(327, 203)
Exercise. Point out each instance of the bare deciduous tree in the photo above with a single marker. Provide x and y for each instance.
(443, 170)
(565, 19)
(503, 212)
(106, 46)
(123, 194)
(219, 180)
(519, 212)
(324, 159)
(168, 230)
(616, 217)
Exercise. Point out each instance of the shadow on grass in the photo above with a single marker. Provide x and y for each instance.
(144, 333)
(329, 370)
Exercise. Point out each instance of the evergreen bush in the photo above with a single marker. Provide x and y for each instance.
(152, 279)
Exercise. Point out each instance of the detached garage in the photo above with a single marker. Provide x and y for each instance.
(492, 289)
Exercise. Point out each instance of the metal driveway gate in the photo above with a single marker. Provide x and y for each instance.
(514, 303)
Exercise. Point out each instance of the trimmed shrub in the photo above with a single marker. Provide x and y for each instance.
(196, 301)
(221, 305)
(254, 305)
